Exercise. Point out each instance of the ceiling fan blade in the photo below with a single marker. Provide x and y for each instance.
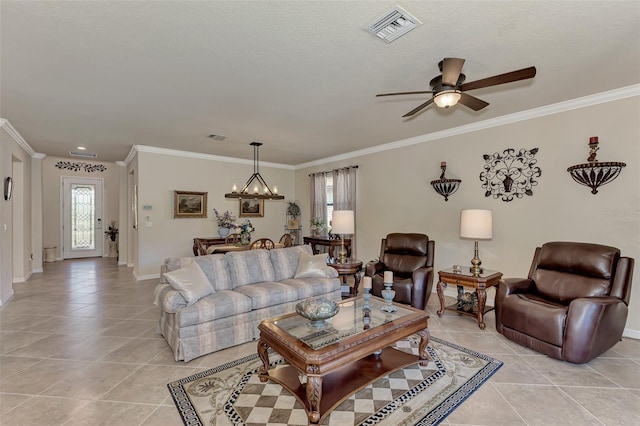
(419, 108)
(405, 93)
(508, 77)
(451, 68)
(472, 102)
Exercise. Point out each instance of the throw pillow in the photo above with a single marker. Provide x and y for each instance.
(313, 266)
(190, 282)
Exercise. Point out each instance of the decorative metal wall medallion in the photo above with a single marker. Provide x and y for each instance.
(510, 175)
(76, 167)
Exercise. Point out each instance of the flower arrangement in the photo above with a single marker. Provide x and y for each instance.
(317, 225)
(112, 231)
(225, 220)
(246, 228)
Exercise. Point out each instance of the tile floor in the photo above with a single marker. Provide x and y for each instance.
(78, 347)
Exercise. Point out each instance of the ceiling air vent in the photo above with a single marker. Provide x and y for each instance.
(393, 24)
(82, 154)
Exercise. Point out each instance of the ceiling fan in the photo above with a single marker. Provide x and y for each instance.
(449, 87)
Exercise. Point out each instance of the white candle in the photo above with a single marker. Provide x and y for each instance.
(234, 188)
(366, 282)
(388, 276)
(275, 189)
(255, 189)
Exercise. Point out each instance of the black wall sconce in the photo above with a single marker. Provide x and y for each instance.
(594, 173)
(444, 186)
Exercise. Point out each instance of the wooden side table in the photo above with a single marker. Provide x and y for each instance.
(330, 243)
(350, 267)
(464, 278)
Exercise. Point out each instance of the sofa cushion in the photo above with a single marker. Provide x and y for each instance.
(310, 287)
(267, 294)
(190, 282)
(214, 267)
(249, 267)
(285, 260)
(220, 304)
(167, 299)
(314, 266)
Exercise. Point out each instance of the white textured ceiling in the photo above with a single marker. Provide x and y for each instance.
(299, 76)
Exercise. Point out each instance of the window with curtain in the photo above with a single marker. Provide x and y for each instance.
(334, 190)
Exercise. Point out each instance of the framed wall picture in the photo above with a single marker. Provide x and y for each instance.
(189, 204)
(251, 208)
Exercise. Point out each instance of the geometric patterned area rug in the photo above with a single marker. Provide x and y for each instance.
(232, 394)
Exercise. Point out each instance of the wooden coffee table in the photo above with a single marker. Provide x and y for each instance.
(328, 364)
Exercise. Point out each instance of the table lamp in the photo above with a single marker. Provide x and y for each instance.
(342, 223)
(476, 224)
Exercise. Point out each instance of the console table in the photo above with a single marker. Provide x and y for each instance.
(328, 242)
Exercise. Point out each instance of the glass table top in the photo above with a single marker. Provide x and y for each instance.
(349, 321)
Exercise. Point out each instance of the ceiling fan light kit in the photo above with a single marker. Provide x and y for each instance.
(448, 89)
(254, 192)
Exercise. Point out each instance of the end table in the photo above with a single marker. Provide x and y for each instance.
(349, 267)
(465, 278)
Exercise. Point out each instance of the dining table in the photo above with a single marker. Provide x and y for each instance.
(233, 247)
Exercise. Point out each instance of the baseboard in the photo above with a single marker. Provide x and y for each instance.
(4, 300)
(145, 277)
(123, 263)
(37, 270)
(632, 334)
(21, 279)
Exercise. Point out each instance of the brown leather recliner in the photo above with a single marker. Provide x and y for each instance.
(572, 306)
(410, 258)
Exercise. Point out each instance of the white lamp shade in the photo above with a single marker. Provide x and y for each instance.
(476, 224)
(342, 222)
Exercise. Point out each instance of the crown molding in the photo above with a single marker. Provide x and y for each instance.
(178, 153)
(583, 102)
(121, 163)
(11, 131)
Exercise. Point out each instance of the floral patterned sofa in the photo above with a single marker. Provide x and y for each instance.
(209, 303)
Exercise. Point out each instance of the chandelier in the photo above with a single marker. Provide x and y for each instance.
(594, 173)
(443, 186)
(256, 187)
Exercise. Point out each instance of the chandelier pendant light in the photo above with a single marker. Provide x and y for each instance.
(256, 187)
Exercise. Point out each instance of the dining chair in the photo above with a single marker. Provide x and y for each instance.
(262, 243)
(286, 240)
(232, 239)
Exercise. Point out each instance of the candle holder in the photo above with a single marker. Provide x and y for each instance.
(388, 294)
(367, 298)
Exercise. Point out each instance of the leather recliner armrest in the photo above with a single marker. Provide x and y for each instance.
(593, 326)
(373, 268)
(508, 286)
(422, 285)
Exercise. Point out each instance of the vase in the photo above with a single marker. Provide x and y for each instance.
(223, 232)
(245, 239)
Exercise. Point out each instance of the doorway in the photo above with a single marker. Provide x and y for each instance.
(82, 202)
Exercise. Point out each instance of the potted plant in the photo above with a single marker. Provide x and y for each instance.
(225, 221)
(317, 226)
(246, 228)
(112, 231)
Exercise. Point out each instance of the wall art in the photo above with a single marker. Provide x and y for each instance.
(511, 174)
(189, 204)
(76, 167)
(250, 207)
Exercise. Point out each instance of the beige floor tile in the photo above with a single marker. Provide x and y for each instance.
(9, 401)
(10, 365)
(486, 343)
(517, 370)
(130, 328)
(92, 381)
(48, 346)
(137, 351)
(485, 407)
(44, 411)
(624, 372)
(545, 405)
(163, 416)
(611, 406)
(12, 341)
(21, 322)
(35, 379)
(91, 348)
(105, 413)
(565, 373)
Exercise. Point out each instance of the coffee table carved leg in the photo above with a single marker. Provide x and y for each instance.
(314, 393)
(482, 300)
(422, 348)
(263, 353)
(440, 287)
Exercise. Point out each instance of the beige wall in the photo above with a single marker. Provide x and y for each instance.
(51, 184)
(394, 194)
(158, 175)
(15, 215)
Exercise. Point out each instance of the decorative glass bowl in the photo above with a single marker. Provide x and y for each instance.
(317, 310)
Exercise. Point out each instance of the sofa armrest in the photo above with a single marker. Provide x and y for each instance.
(594, 324)
(168, 299)
(373, 268)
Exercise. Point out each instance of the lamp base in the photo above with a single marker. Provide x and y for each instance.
(342, 253)
(475, 262)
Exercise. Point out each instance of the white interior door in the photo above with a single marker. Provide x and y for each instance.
(81, 217)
